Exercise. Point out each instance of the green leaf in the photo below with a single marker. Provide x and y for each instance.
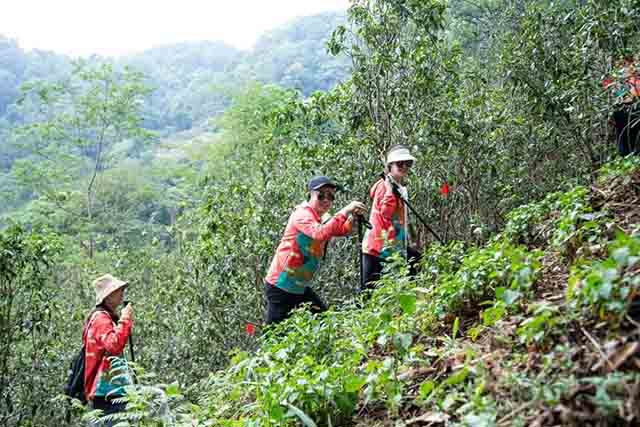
(403, 341)
(426, 388)
(276, 412)
(621, 255)
(298, 413)
(354, 383)
(508, 296)
(491, 315)
(458, 377)
(456, 327)
(173, 390)
(408, 303)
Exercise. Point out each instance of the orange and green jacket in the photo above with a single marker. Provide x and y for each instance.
(388, 220)
(104, 339)
(302, 246)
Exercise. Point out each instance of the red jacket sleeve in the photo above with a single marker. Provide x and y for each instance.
(307, 224)
(111, 339)
(386, 200)
(346, 227)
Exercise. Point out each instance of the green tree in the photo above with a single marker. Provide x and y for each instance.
(398, 57)
(73, 127)
(13, 62)
(29, 309)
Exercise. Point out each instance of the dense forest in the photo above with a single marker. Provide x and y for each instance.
(184, 87)
(178, 167)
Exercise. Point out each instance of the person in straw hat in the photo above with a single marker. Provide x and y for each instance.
(388, 217)
(105, 336)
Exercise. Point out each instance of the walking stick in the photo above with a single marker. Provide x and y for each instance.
(361, 264)
(133, 356)
(396, 190)
(362, 222)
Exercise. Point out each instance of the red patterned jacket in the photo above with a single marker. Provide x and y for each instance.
(302, 246)
(103, 339)
(388, 220)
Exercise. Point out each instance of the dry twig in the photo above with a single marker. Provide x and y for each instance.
(597, 347)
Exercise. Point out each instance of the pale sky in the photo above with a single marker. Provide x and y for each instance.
(116, 27)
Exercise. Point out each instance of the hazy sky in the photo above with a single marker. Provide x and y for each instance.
(115, 27)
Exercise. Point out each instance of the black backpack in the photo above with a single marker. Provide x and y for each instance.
(75, 384)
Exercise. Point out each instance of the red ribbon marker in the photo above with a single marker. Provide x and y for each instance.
(251, 330)
(444, 190)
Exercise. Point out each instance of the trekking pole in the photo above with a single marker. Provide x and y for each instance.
(362, 222)
(133, 356)
(396, 190)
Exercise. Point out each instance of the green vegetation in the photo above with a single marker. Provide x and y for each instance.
(419, 351)
(425, 349)
(177, 169)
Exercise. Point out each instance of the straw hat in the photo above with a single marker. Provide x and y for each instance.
(106, 285)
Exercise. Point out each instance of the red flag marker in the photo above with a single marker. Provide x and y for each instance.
(444, 190)
(251, 330)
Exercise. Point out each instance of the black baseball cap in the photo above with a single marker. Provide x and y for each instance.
(318, 182)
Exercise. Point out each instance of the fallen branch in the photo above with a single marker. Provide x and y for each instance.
(510, 415)
(597, 346)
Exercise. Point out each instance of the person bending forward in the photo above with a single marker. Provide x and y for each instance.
(298, 255)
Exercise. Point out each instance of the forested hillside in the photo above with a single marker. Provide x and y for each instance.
(176, 169)
(186, 86)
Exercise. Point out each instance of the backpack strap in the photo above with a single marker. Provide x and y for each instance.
(92, 318)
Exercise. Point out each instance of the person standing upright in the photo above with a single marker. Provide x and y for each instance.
(105, 336)
(388, 217)
(625, 88)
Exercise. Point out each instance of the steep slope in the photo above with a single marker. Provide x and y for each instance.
(535, 328)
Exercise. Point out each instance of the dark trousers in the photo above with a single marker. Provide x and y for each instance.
(628, 130)
(108, 407)
(372, 267)
(280, 303)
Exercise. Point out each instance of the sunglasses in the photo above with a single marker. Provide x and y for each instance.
(326, 195)
(404, 164)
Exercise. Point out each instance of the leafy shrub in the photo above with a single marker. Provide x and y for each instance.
(622, 166)
(566, 219)
(543, 320)
(32, 323)
(497, 269)
(606, 286)
(304, 371)
(442, 259)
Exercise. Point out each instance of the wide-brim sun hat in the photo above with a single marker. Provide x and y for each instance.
(105, 285)
(399, 154)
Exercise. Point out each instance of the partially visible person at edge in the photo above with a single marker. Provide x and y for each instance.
(626, 116)
(303, 244)
(388, 218)
(105, 336)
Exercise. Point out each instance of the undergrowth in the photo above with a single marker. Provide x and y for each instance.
(474, 340)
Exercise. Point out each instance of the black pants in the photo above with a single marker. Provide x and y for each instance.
(107, 407)
(628, 130)
(373, 265)
(280, 303)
